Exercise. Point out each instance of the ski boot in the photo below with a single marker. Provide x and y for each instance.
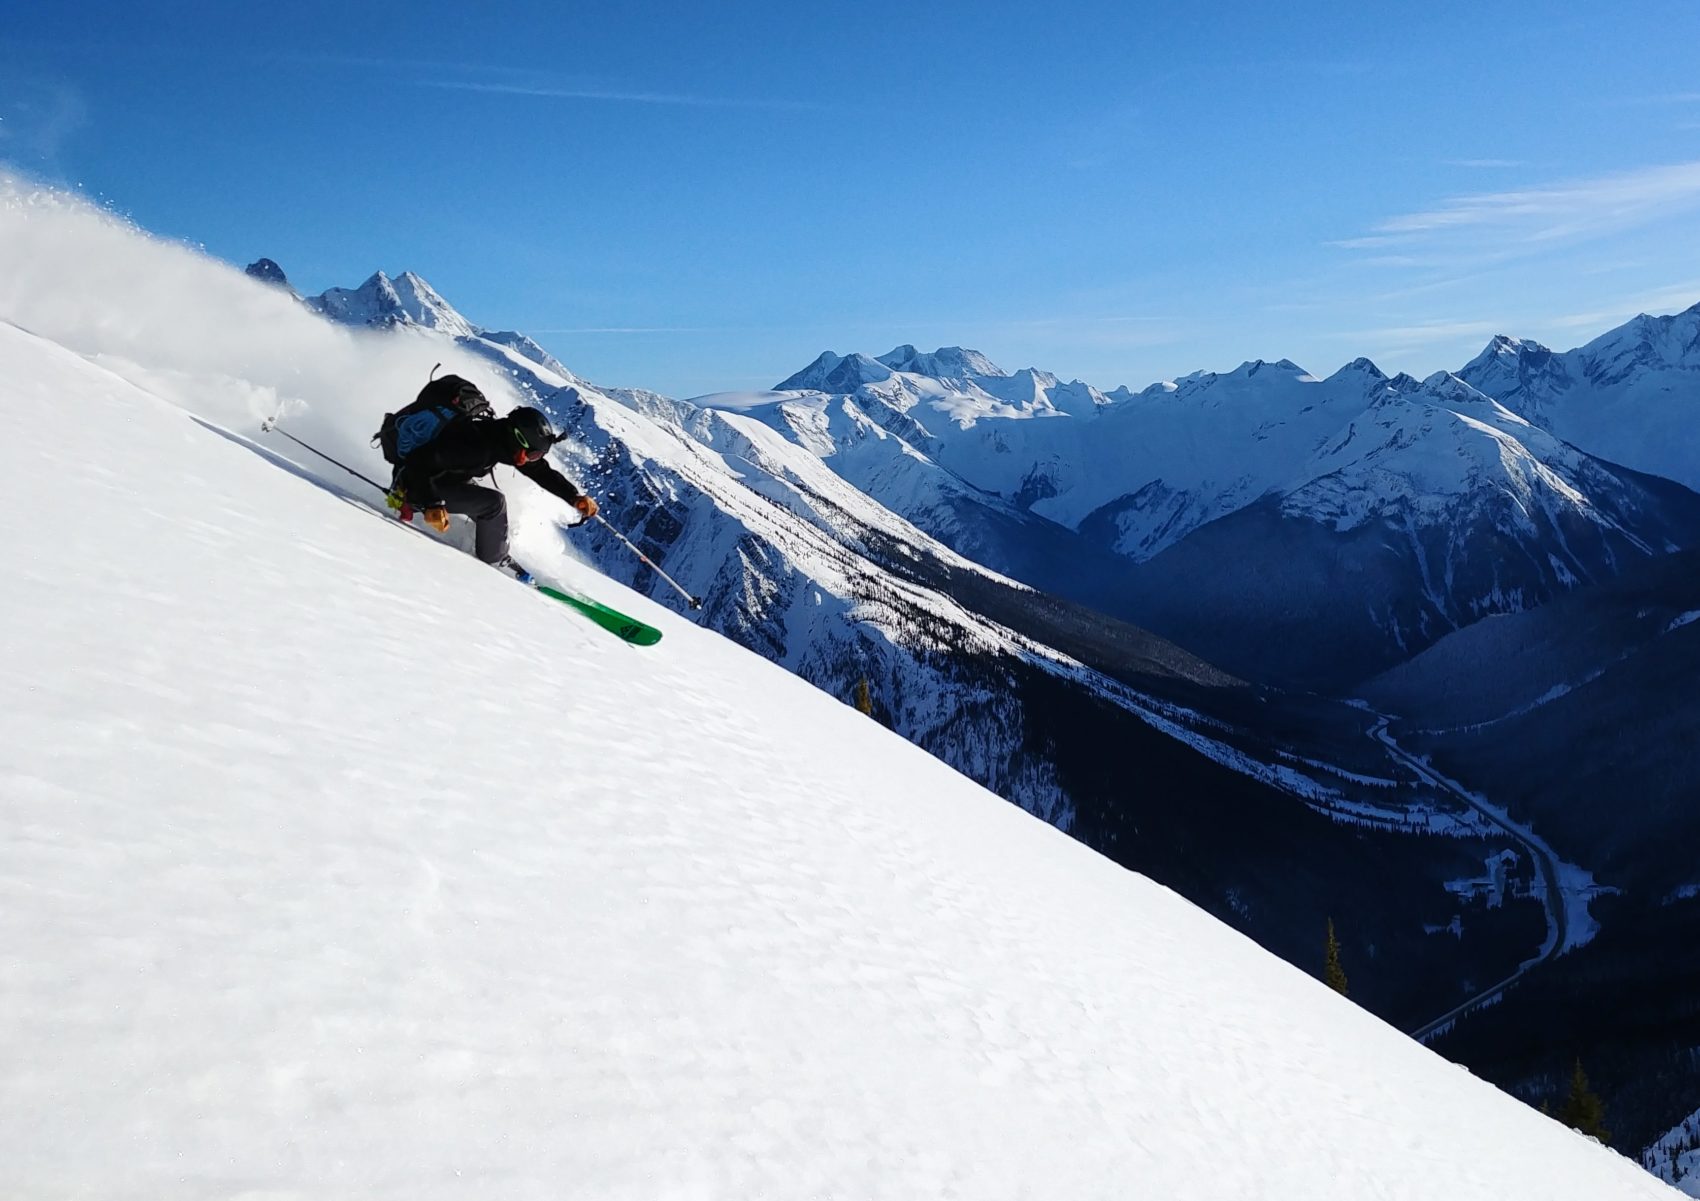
(507, 564)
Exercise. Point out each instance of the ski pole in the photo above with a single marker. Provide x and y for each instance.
(696, 603)
(269, 426)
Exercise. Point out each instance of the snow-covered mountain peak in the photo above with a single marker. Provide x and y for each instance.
(1252, 367)
(1505, 345)
(1076, 398)
(1448, 389)
(1625, 396)
(1502, 360)
(529, 349)
(945, 363)
(1359, 369)
(1435, 451)
(1238, 381)
(266, 271)
(1520, 373)
(422, 303)
(1040, 379)
(836, 373)
(1645, 343)
(406, 300)
(1031, 391)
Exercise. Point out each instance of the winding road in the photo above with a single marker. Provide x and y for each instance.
(1545, 863)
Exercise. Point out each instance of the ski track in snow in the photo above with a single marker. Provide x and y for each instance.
(336, 865)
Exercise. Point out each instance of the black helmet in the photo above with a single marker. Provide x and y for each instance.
(532, 431)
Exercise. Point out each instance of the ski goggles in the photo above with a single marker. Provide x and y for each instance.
(527, 453)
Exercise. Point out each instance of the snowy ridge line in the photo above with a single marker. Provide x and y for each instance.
(1336, 770)
(1675, 1157)
(1171, 720)
(1556, 692)
(1560, 690)
(1492, 996)
(1419, 819)
(1399, 416)
(1684, 619)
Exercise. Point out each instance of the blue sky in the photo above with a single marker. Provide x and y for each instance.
(692, 198)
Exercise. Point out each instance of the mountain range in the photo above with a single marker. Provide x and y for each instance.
(1301, 531)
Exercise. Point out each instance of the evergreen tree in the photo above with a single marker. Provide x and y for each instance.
(1332, 973)
(1583, 1110)
(864, 698)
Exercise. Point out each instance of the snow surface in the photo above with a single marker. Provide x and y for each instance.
(336, 865)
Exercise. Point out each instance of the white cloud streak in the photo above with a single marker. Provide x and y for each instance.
(1484, 163)
(1423, 333)
(1577, 208)
(615, 96)
(631, 329)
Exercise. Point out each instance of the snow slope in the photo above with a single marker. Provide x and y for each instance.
(343, 867)
(1676, 1156)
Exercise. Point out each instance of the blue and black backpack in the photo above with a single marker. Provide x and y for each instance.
(440, 403)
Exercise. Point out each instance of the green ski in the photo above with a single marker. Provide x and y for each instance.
(615, 622)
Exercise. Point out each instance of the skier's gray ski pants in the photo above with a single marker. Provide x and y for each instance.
(488, 509)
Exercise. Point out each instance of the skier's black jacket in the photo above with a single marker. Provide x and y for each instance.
(466, 450)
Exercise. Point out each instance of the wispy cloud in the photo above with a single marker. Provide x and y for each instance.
(631, 329)
(1666, 299)
(1422, 333)
(1663, 98)
(502, 80)
(1428, 287)
(1101, 332)
(1055, 322)
(617, 96)
(1531, 217)
(1546, 326)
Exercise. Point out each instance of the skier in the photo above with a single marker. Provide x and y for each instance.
(436, 477)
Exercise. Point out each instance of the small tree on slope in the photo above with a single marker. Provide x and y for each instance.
(1583, 1110)
(1332, 973)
